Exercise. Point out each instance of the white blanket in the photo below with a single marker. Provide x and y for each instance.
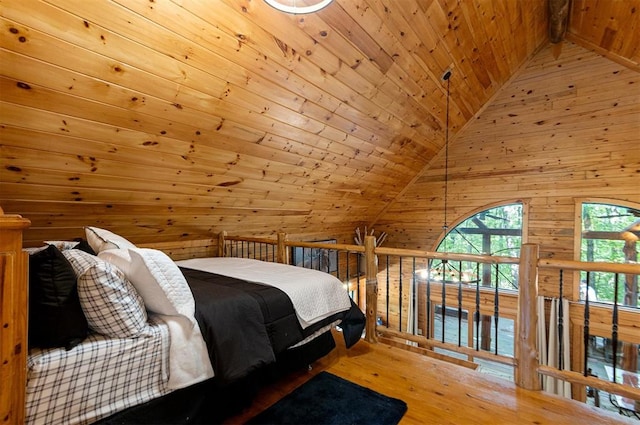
(188, 356)
(315, 295)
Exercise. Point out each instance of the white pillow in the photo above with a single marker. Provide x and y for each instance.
(101, 239)
(156, 278)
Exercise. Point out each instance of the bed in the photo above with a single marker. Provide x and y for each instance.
(157, 330)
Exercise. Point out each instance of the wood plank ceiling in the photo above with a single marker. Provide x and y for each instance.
(167, 119)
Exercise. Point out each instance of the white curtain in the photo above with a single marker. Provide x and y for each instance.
(549, 349)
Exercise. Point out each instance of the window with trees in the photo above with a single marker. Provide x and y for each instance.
(494, 231)
(609, 233)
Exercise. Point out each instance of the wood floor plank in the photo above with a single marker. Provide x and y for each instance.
(436, 392)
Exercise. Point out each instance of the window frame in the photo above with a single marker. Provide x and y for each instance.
(577, 240)
(525, 219)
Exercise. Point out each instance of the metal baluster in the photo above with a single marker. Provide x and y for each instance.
(388, 284)
(347, 269)
(496, 308)
(444, 296)
(459, 303)
(561, 326)
(614, 327)
(429, 262)
(586, 325)
(358, 260)
(477, 313)
(400, 299)
(414, 300)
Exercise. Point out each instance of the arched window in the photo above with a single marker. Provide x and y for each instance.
(610, 232)
(493, 231)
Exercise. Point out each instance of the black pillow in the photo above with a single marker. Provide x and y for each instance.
(56, 318)
(84, 246)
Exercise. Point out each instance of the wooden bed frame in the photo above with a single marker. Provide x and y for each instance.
(13, 332)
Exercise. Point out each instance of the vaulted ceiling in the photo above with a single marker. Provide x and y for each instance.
(165, 119)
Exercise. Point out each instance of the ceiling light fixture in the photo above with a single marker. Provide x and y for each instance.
(298, 7)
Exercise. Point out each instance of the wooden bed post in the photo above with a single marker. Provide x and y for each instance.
(371, 288)
(526, 353)
(222, 252)
(283, 253)
(14, 285)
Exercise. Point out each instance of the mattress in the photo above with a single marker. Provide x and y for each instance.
(315, 295)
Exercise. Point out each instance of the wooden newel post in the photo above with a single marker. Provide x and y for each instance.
(526, 371)
(283, 253)
(371, 288)
(221, 244)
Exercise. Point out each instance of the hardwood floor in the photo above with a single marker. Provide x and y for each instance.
(437, 392)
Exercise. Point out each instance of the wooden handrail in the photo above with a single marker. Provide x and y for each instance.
(249, 239)
(623, 268)
(475, 258)
(324, 245)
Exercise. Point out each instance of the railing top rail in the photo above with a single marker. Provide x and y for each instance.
(264, 240)
(490, 259)
(321, 245)
(627, 268)
(298, 244)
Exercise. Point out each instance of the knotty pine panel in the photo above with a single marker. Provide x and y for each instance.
(311, 124)
(197, 79)
(619, 38)
(549, 139)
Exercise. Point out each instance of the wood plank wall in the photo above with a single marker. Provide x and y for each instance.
(173, 120)
(563, 130)
(170, 120)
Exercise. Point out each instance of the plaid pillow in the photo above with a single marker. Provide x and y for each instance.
(109, 301)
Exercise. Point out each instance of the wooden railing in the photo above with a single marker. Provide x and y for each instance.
(619, 320)
(521, 305)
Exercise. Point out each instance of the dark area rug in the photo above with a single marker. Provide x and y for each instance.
(328, 399)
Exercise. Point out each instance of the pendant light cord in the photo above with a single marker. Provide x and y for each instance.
(446, 76)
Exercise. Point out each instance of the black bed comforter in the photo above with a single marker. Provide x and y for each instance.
(245, 325)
